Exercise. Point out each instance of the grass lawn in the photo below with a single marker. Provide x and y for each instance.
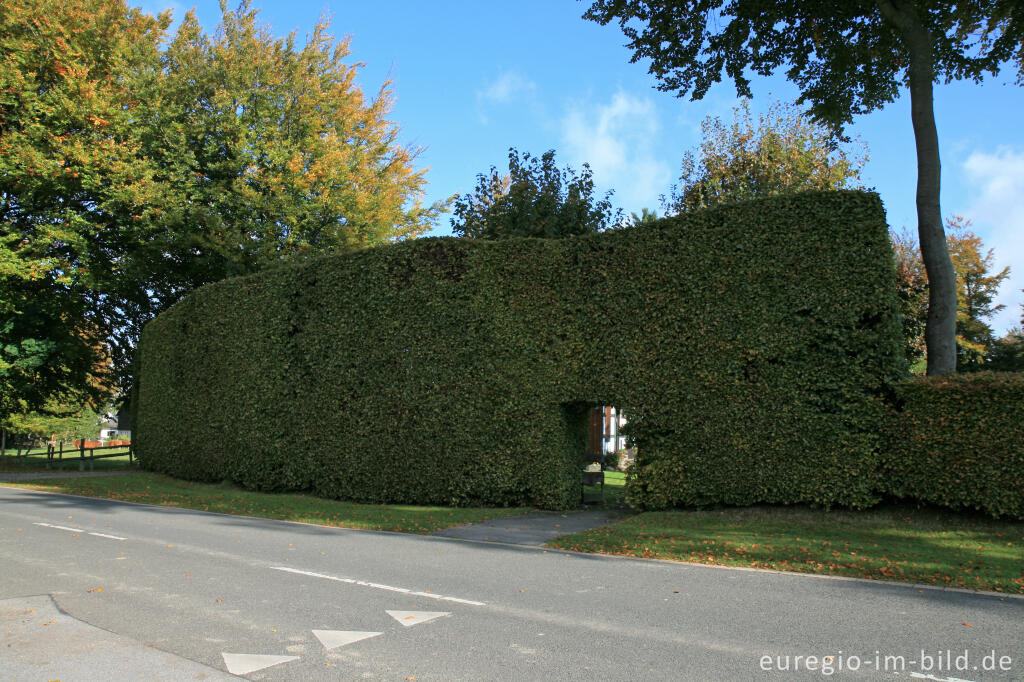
(614, 492)
(35, 460)
(150, 488)
(891, 542)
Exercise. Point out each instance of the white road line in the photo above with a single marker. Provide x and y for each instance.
(79, 530)
(50, 525)
(104, 535)
(378, 586)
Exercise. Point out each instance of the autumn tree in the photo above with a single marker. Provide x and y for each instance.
(137, 166)
(534, 199)
(977, 287)
(783, 151)
(267, 150)
(848, 58)
(70, 172)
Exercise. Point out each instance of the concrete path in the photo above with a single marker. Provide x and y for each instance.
(534, 528)
(43, 643)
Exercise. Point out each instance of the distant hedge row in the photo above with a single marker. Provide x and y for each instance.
(958, 442)
(751, 345)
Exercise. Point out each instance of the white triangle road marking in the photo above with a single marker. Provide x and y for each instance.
(410, 618)
(243, 664)
(332, 639)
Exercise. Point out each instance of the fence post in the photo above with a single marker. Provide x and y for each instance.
(60, 458)
(81, 454)
(92, 456)
(3, 442)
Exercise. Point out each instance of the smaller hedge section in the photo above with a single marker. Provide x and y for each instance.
(958, 441)
(752, 347)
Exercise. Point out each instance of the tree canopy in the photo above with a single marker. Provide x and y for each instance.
(69, 171)
(783, 151)
(136, 166)
(847, 59)
(534, 199)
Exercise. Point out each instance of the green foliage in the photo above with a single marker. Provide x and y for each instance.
(958, 441)
(912, 289)
(534, 199)
(67, 175)
(845, 62)
(645, 216)
(783, 152)
(136, 166)
(66, 423)
(451, 371)
(1007, 353)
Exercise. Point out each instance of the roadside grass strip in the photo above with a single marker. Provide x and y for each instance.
(149, 488)
(36, 460)
(892, 542)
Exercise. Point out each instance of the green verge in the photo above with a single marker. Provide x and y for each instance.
(900, 543)
(35, 461)
(150, 488)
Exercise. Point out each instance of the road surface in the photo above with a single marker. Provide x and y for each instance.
(101, 590)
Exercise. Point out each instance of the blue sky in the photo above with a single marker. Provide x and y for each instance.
(472, 78)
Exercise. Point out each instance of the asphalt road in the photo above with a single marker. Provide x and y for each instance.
(98, 590)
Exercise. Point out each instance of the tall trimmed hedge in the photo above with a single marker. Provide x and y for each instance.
(958, 441)
(751, 345)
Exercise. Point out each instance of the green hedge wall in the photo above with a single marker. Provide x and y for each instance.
(751, 345)
(958, 441)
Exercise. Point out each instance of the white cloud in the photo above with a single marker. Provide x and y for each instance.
(508, 89)
(618, 140)
(509, 86)
(996, 186)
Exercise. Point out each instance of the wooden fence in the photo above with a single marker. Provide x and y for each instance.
(57, 452)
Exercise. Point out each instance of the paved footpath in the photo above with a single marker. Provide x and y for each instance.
(96, 590)
(534, 528)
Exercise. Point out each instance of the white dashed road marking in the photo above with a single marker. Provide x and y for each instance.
(332, 639)
(80, 530)
(429, 595)
(50, 525)
(410, 618)
(104, 535)
(243, 664)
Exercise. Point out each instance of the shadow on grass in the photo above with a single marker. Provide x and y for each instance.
(892, 542)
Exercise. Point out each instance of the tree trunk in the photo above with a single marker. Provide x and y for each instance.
(940, 329)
